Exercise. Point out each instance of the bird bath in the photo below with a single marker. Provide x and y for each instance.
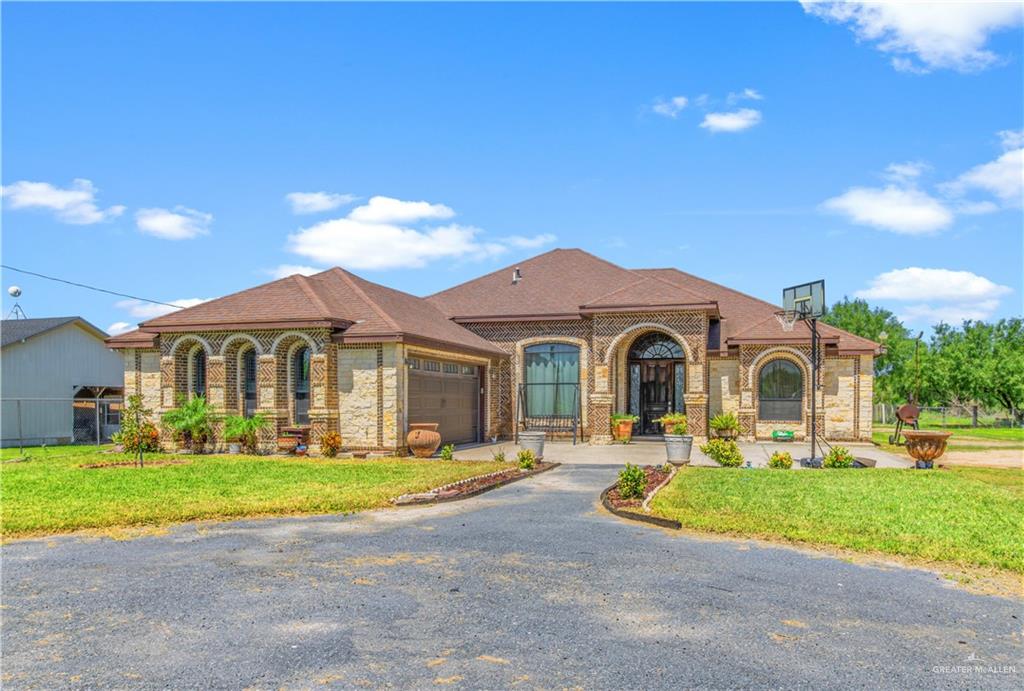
(925, 446)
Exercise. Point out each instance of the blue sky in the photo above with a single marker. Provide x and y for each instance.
(151, 149)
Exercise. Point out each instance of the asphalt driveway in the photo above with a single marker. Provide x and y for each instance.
(527, 586)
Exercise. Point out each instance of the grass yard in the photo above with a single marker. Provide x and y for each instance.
(994, 439)
(964, 516)
(51, 493)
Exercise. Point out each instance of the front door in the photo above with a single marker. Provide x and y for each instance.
(655, 393)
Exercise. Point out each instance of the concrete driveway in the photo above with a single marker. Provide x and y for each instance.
(527, 586)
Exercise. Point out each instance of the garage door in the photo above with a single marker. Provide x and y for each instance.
(447, 393)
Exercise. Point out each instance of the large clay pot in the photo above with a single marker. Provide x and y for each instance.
(423, 439)
(623, 430)
(287, 443)
(925, 446)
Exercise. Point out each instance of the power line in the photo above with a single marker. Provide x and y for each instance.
(88, 287)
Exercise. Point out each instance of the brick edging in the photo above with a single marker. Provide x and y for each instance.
(431, 496)
(641, 517)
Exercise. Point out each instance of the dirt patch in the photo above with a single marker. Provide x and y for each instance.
(654, 477)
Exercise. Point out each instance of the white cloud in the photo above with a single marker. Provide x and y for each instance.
(316, 202)
(148, 310)
(905, 172)
(285, 270)
(735, 121)
(180, 224)
(119, 328)
(529, 242)
(75, 204)
(1003, 178)
(746, 94)
(1011, 139)
(670, 108)
(903, 210)
(382, 235)
(936, 295)
(389, 210)
(925, 35)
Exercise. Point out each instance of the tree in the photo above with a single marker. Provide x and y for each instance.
(1005, 373)
(894, 369)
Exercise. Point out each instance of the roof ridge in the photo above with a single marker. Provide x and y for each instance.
(719, 285)
(219, 297)
(688, 290)
(612, 292)
(311, 294)
(369, 301)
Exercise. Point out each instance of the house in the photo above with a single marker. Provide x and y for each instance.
(53, 371)
(562, 337)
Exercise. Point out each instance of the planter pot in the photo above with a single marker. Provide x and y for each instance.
(534, 441)
(423, 439)
(234, 447)
(727, 434)
(678, 447)
(925, 446)
(623, 430)
(287, 443)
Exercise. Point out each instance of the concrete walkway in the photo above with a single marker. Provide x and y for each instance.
(528, 586)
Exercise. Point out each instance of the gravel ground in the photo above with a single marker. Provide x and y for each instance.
(528, 586)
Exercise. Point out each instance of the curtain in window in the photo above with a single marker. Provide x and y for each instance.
(300, 371)
(552, 377)
(780, 391)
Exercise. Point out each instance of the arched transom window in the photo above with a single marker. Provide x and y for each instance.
(655, 346)
(781, 391)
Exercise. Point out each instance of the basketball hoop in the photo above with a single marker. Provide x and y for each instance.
(787, 319)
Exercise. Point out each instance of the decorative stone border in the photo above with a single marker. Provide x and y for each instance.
(642, 517)
(446, 493)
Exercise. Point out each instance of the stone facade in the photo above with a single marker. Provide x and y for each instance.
(361, 390)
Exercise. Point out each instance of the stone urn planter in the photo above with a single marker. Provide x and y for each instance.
(534, 441)
(728, 434)
(287, 443)
(423, 439)
(925, 446)
(678, 447)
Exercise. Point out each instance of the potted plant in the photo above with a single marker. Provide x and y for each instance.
(244, 432)
(726, 426)
(622, 426)
(192, 422)
(678, 443)
(534, 441)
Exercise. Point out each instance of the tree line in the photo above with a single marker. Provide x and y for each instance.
(976, 363)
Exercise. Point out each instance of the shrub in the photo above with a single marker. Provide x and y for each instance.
(330, 444)
(673, 423)
(838, 457)
(619, 417)
(191, 421)
(245, 430)
(632, 482)
(781, 459)
(725, 421)
(526, 459)
(138, 433)
(725, 453)
(447, 452)
(498, 456)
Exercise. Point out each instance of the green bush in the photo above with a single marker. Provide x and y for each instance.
(673, 423)
(245, 430)
(725, 453)
(526, 459)
(618, 417)
(447, 452)
(632, 482)
(192, 421)
(725, 421)
(138, 433)
(781, 459)
(838, 457)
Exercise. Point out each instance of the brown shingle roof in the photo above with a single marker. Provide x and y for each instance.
(133, 339)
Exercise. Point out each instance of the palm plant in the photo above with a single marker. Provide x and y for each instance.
(192, 421)
(245, 430)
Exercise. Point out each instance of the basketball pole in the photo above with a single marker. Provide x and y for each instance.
(814, 386)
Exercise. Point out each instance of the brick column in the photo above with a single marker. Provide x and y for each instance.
(323, 395)
(167, 380)
(215, 392)
(600, 418)
(696, 414)
(266, 401)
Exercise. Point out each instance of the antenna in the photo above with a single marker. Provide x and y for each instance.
(16, 311)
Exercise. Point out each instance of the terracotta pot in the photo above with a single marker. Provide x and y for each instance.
(623, 430)
(287, 443)
(925, 446)
(423, 439)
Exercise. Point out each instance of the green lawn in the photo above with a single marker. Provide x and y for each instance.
(962, 440)
(51, 493)
(962, 516)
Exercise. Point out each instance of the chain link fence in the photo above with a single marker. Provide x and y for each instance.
(59, 421)
(949, 416)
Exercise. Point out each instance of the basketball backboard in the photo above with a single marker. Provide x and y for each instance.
(807, 300)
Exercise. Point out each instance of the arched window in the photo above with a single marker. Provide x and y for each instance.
(249, 383)
(781, 391)
(300, 385)
(551, 379)
(655, 346)
(198, 366)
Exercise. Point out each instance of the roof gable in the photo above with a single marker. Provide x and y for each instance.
(17, 330)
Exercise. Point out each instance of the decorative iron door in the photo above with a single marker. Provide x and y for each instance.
(655, 394)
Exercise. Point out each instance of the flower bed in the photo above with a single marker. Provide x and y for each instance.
(472, 486)
(654, 477)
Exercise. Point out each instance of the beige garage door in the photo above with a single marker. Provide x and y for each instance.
(447, 393)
